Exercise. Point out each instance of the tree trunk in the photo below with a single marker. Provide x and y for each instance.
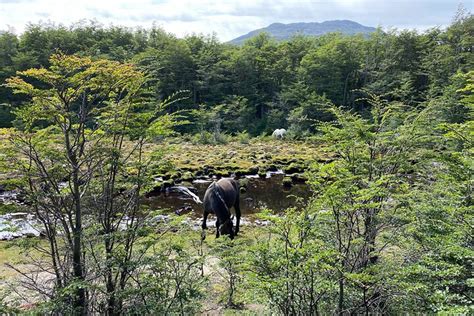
(340, 303)
(80, 300)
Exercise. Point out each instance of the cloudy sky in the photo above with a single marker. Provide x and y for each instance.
(229, 18)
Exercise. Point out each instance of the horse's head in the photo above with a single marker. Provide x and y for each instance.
(227, 228)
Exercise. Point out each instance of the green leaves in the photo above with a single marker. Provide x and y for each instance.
(291, 267)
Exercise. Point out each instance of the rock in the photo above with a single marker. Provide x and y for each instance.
(155, 191)
(199, 173)
(176, 175)
(287, 182)
(253, 170)
(244, 183)
(240, 172)
(261, 223)
(167, 184)
(298, 177)
(243, 171)
(272, 167)
(15, 225)
(187, 176)
(7, 197)
(222, 173)
(183, 210)
(205, 180)
(271, 173)
(293, 168)
(160, 218)
(18, 215)
(252, 176)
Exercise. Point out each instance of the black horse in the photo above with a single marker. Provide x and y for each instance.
(220, 196)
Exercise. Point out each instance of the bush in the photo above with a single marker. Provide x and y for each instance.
(208, 138)
(243, 137)
(231, 267)
(169, 282)
(291, 269)
(203, 138)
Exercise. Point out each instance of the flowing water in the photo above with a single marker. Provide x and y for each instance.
(268, 193)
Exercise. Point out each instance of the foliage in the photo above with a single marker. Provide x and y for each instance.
(360, 196)
(230, 266)
(82, 179)
(387, 231)
(389, 227)
(290, 266)
(168, 280)
(275, 84)
(441, 236)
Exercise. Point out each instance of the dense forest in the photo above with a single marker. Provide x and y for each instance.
(263, 84)
(90, 113)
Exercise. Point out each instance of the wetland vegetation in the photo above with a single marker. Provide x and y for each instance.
(364, 207)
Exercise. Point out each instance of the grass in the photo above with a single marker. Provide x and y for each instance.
(11, 252)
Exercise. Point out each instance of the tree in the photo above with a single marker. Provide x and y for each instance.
(231, 266)
(440, 239)
(83, 176)
(255, 74)
(305, 108)
(170, 67)
(331, 68)
(359, 198)
(210, 84)
(8, 52)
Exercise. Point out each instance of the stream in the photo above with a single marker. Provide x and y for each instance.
(261, 193)
(183, 199)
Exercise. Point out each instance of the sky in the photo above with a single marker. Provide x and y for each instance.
(229, 18)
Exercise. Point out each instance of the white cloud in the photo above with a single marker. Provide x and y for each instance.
(228, 18)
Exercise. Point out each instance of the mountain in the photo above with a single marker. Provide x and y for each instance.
(281, 31)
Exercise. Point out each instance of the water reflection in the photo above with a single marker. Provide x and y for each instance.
(261, 193)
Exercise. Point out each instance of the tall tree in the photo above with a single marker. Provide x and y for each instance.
(358, 197)
(88, 109)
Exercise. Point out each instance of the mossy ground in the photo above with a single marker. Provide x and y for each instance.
(178, 159)
(185, 159)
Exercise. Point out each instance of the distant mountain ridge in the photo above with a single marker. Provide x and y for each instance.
(281, 31)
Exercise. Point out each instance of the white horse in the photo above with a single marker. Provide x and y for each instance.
(279, 133)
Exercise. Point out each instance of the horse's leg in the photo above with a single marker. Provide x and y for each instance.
(237, 215)
(204, 220)
(217, 228)
(204, 225)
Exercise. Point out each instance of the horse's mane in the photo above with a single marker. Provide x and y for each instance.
(215, 190)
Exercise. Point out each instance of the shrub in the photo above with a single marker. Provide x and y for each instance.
(291, 269)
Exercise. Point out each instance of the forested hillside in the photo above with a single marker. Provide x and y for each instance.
(263, 84)
(281, 31)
